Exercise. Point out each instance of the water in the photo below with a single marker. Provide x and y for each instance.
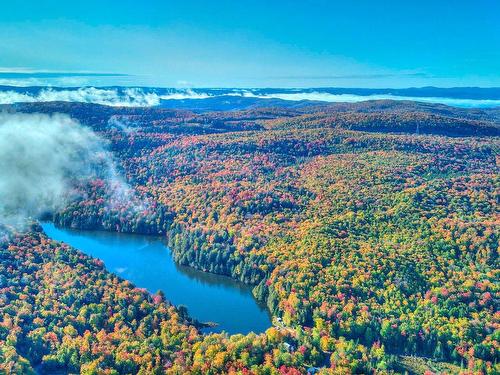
(147, 263)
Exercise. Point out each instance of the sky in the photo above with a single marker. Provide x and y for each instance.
(257, 43)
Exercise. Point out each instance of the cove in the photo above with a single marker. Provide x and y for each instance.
(147, 263)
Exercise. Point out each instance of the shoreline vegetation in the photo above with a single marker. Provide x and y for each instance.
(147, 262)
(370, 231)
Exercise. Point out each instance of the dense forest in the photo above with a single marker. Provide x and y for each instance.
(370, 230)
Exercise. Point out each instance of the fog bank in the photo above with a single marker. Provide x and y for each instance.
(42, 159)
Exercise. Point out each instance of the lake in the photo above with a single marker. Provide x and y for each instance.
(147, 262)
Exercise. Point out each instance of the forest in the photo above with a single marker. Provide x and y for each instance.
(370, 230)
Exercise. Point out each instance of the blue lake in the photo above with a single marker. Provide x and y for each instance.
(147, 263)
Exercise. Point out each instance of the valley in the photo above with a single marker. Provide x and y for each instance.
(370, 230)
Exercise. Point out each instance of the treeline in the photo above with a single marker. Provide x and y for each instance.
(367, 245)
(62, 312)
(406, 122)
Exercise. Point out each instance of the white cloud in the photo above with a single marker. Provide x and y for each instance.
(351, 98)
(42, 159)
(185, 94)
(137, 97)
(129, 97)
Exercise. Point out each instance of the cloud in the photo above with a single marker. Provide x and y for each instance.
(42, 159)
(354, 76)
(185, 94)
(122, 123)
(23, 73)
(128, 97)
(25, 77)
(352, 98)
(143, 97)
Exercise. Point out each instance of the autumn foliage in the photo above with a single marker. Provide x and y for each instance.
(372, 243)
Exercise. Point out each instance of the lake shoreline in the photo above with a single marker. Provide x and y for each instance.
(240, 296)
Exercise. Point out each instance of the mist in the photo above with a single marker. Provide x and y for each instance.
(42, 160)
(352, 98)
(141, 97)
(129, 97)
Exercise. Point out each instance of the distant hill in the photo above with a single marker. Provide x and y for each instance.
(211, 99)
(249, 114)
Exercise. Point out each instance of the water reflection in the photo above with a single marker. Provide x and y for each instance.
(147, 262)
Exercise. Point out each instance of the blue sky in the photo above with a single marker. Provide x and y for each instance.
(252, 43)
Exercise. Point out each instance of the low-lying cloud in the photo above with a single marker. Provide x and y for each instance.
(129, 97)
(142, 97)
(352, 98)
(42, 159)
(132, 97)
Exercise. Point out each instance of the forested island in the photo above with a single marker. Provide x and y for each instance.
(370, 230)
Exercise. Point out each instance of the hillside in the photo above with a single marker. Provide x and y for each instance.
(370, 229)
